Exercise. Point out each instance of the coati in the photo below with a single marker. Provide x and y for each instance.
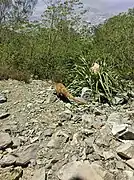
(61, 90)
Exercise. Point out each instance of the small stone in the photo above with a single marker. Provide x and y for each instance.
(117, 100)
(126, 150)
(5, 140)
(81, 100)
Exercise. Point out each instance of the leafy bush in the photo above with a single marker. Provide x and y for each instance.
(114, 42)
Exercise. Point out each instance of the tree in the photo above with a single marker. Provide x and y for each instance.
(58, 12)
(5, 5)
(16, 10)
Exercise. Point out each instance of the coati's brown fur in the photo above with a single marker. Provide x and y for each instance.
(61, 90)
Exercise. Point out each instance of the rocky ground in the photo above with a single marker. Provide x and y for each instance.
(43, 138)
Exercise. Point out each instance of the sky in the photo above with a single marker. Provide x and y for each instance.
(99, 10)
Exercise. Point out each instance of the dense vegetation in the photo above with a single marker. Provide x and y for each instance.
(63, 47)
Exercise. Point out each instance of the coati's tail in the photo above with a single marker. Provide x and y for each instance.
(82, 101)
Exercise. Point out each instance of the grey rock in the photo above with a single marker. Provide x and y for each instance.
(5, 140)
(126, 150)
(104, 138)
(29, 105)
(8, 150)
(25, 153)
(65, 116)
(8, 160)
(39, 174)
(108, 155)
(3, 98)
(16, 142)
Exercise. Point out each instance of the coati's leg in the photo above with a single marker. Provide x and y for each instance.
(63, 98)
